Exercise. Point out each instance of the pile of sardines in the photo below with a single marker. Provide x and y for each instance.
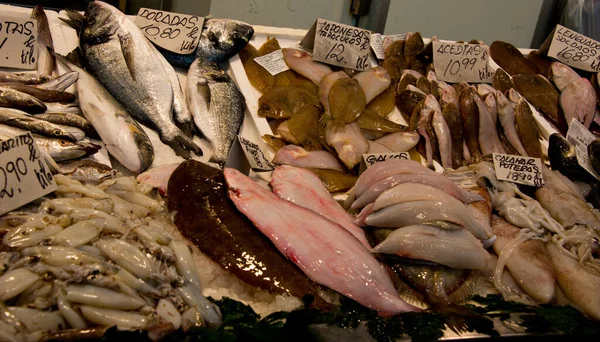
(96, 256)
(97, 98)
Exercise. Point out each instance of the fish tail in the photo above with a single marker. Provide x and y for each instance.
(183, 145)
(75, 20)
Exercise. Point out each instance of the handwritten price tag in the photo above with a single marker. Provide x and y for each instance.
(372, 159)
(273, 62)
(517, 169)
(339, 44)
(255, 156)
(464, 179)
(24, 175)
(575, 50)
(18, 42)
(175, 32)
(457, 62)
(580, 137)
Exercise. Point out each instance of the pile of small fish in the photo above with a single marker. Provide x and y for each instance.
(325, 119)
(458, 123)
(94, 257)
(555, 89)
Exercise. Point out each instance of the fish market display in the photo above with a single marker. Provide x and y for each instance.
(325, 243)
(134, 75)
(211, 221)
(94, 257)
(327, 253)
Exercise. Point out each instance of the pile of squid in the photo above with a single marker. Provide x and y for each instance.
(325, 118)
(93, 257)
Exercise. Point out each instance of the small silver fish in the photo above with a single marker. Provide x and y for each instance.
(20, 119)
(87, 171)
(15, 99)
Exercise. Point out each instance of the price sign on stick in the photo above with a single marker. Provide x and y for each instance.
(457, 62)
(256, 158)
(175, 32)
(338, 44)
(273, 62)
(580, 137)
(18, 42)
(24, 175)
(575, 50)
(517, 169)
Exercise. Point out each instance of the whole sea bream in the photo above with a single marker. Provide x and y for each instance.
(217, 106)
(120, 56)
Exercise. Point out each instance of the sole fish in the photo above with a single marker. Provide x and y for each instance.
(506, 114)
(125, 62)
(511, 59)
(299, 157)
(542, 94)
(418, 212)
(578, 101)
(453, 248)
(302, 63)
(348, 141)
(454, 122)
(303, 188)
(346, 266)
(212, 222)
(527, 129)
(217, 106)
(470, 119)
(258, 76)
(335, 181)
(443, 134)
(562, 75)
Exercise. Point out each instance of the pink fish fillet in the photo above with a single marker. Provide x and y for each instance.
(303, 188)
(323, 250)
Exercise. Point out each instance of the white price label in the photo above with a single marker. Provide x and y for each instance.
(175, 32)
(575, 50)
(18, 42)
(457, 62)
(517, 169)
(580, 138)
(273, 62)
(24, 175)
(256, 157)
(372, 159)
(377, 45)
(338, 44)
(464, 179)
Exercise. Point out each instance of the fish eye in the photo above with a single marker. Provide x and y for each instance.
(63, 143)
(236, 35)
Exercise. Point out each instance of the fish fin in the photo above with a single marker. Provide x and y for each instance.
(128, 56)
(74, 20)
(204, 91)
(75, 57)
(44, 36)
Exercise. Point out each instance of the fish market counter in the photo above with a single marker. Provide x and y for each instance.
(278, 184)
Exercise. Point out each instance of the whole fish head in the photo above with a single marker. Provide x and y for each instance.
(223, 38)
(66, 150)
(100, 22)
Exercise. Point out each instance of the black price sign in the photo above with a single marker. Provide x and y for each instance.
(338, 44)
(575, 50)
(18, 42)
(457, 62)
(175, 32)
(24, 175)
